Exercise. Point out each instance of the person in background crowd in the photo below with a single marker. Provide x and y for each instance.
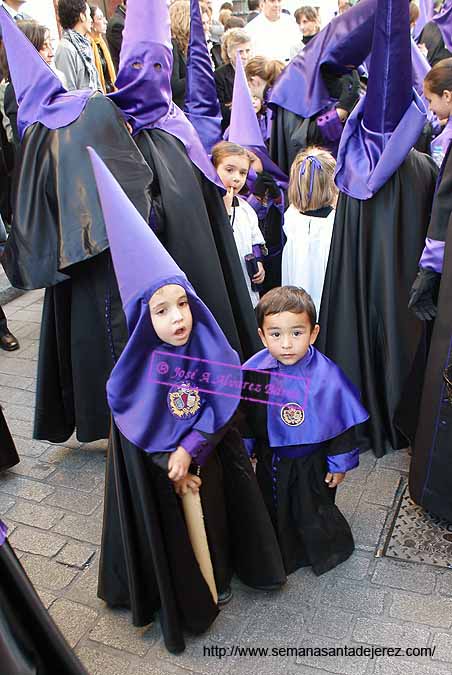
(180, 35)
(235, 42)
(234, 22)
(271, 33)
(261, 73)
(255, 9)
(74, 55)
(227, 5)
(114, 33)
(213, 47)
(343, 6)
(14, 9)
(414, 15)
(308, 21)
(432, 44)
(8, 341)
(224, 15)
(102, 58)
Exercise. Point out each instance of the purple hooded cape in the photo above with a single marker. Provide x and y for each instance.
(201, 101)
(140, 401)
(426, 12)
(388, 120)
(317, 385)
(444, 22)
(144, 80)
(40, 95)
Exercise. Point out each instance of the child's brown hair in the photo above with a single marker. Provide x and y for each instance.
(225, 148)
(311, 183)
(286, 299)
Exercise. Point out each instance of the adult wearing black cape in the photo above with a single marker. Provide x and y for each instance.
(320, 86)
(58, 240)
(431, 469)
(189, 215)
(30, 643)
(381, 218)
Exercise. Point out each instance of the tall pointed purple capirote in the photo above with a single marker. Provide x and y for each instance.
(388, 120)
(426, 11)
(39, 92)
(139, 258)
(244, 128)
(145, 63)
(144, 80)
(201, 101)
(342, 45)
(444, 22)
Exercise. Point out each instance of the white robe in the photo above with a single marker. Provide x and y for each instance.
(246, 234)
(273, 39)
(305, 255)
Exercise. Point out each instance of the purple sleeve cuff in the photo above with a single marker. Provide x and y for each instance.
(258, 252)
(260, 209)
(197, 446)
(330, 125)
(433, 255)
(249, 444)
(3, 532)
(343, 463)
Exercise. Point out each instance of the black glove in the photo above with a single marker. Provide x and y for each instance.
(265, 185)
(424, 294)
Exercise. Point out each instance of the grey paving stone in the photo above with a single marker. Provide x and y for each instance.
(29, 448)
(443, 646)
(11, 380)
(29, 315)
(33, 468)
(65, 458)
(397, 666)
(354, 596)
(36, 515)
(434, 611)
(331, 621)
(47, 598)
(115, 629)
(36, 541)
(100, 662)
(73, 500)
(302, 587)
(5, 503)
(18, 366)
(227, 628)
(76, 555)
(404, 576)
(83, 528)
(153, 666)
(48, 574)
(356, 567)
(273, 628)
(21, 428)
(72, 619)
(270, 665)
(193, 658)
(77, 480)
(367, 463)
(395, 459)
(347, 497)
(367, 524)
(19, 412)
(22, 487)
(12, 395)
(381, 487)
(444, 583)
(343, 665)
(389, 634)
(84, 588)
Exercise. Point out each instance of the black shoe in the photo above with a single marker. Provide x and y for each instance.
(270, 587)
(225, 597)
(8, 342)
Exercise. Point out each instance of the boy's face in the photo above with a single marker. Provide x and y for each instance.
(288, 336)
(171, 315)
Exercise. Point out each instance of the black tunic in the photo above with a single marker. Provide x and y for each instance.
(366, 327)
(147, 562)
(59, 241)
(192, 224)
(30, 643)
(432, 38)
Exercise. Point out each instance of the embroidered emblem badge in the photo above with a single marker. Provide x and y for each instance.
(292, 414)
(184, 401)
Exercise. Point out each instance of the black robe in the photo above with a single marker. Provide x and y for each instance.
(432, 38)
(8, 453)
(59, 241)
(431, 469)
(309, 526)
(192, 224)
(365, 324)
(147, 561)
(30, 642)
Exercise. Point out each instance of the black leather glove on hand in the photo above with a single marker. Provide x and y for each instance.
(424, 294)
(265, 185)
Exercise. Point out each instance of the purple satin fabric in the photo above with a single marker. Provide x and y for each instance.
(433, 255)
(40, 94)
(342, 45)
(196, 446)
(330, 402)
(367, 159)
(420, 68)
(426, 11)
(201, 101)
(3, 532)
(343, 463)
(444, 22)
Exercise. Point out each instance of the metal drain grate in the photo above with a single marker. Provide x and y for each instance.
(418, 536)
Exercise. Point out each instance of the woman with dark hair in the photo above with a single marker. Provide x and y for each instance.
(102, 57)
(308, 21)
(74, 55)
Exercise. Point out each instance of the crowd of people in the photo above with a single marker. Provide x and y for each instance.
(243, 226)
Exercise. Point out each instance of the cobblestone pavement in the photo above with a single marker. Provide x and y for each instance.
(52, 503)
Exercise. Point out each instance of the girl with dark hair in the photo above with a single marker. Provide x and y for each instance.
(74, 55)
(102, 57)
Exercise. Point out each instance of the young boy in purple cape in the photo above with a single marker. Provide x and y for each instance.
(303, 430)
(30, 642)
(171, 432)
